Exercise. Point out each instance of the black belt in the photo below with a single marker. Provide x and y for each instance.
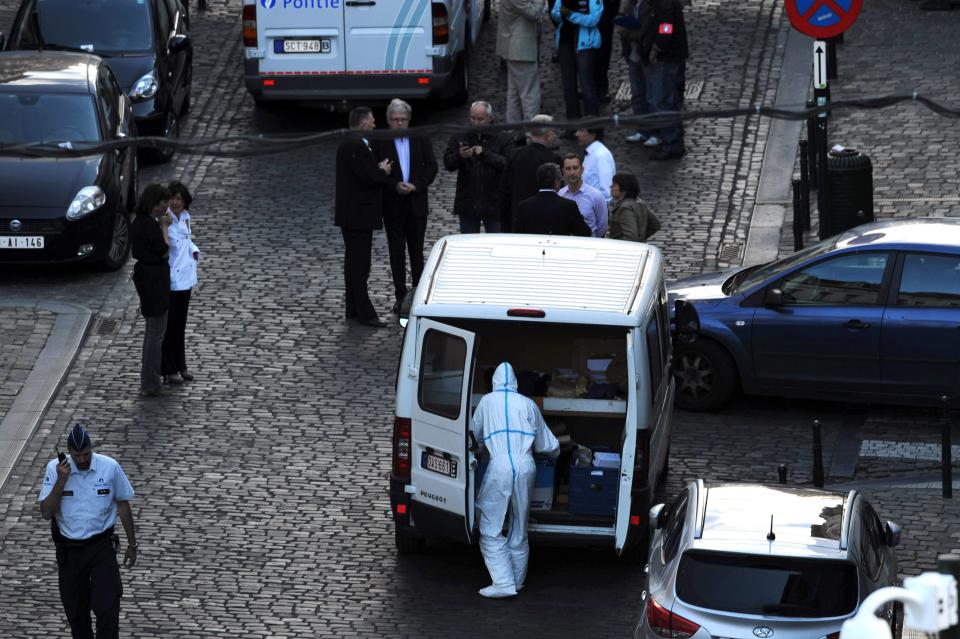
(66, 542)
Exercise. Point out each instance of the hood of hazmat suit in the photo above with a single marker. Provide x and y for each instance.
(511, 427)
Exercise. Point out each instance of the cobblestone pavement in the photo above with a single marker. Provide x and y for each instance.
(261, 487)
(24, 333)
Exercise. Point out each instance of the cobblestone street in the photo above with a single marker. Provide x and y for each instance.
(262, 504)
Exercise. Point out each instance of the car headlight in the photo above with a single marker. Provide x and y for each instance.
(145, 88)
(86, 201)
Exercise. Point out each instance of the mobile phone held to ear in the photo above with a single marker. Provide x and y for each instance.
(61, 456)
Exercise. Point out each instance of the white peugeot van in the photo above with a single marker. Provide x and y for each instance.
(585, 324)
(344, 52)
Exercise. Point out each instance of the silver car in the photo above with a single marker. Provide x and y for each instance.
(748, 561)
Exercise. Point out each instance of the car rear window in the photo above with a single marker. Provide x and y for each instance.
(773, 586)
(35, 117)
(95, 26)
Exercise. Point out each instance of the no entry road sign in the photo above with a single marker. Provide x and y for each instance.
(822, 19)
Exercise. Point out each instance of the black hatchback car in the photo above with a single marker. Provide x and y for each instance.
(146, 43)
(64, 209)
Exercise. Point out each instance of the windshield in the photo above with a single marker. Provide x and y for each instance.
(94, 26)
(34, 117)
(764, 585)
(745, 279)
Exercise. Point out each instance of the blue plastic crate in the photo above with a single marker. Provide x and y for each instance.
(593, 491)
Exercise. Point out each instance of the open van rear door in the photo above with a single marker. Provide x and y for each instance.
(629, 447)
(442, 473)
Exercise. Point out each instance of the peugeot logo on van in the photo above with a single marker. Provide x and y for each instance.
(15, 225)
(763, 632)
(268, 4)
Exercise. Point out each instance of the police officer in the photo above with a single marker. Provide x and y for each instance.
(82, 494)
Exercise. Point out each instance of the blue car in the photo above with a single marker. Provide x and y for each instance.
(870, 315)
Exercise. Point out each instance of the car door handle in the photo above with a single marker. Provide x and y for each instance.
(857, 324)
(360, 3)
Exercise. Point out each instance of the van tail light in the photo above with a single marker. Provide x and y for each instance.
(250, 25)
(441, 24)
(401, 448)
(666, 624)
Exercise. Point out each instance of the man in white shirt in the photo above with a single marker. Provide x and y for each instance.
(598, 165)
(590, 201)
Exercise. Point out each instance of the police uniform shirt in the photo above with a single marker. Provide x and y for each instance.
(89, 503)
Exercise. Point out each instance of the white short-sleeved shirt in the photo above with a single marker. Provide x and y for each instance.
(89, 503)
(183, 268)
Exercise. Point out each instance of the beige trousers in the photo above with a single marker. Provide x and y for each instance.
(523, 90)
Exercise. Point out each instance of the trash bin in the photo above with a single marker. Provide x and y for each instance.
(850, 189)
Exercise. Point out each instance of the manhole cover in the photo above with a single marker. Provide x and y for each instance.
(106, 326)
(693, 90)
(730, 252)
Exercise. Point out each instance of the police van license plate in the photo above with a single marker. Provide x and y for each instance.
(439, 464)
(319, 45)
(21, 241)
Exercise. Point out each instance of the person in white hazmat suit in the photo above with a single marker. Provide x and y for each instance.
(510, 426)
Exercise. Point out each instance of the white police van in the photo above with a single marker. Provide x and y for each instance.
(553, 307)
(345, 52)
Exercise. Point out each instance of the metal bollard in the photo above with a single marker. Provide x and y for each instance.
(950, 565)
(946, 451)
(797, 216)
(817, 455)
(782, 473)
(812, 145)
(805, 182)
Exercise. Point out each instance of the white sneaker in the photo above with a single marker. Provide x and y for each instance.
(498, 592)
(652, 141)
(633, 138)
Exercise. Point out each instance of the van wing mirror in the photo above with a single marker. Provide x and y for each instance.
(686, 320)
(658, 516)
(405, 307)
(891, 533)
(773, 297)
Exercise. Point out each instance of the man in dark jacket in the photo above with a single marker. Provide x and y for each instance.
(520, 176)
(664, 45)
(546, 212)
(479, 159)
(405, 200)
(357, 211)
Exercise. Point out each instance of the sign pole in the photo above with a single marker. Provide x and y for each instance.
(822, 97)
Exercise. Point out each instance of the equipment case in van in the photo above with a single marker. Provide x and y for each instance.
(593, 491)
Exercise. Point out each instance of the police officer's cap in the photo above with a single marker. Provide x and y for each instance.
(79, 438)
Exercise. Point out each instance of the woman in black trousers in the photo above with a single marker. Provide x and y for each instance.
(184, 256)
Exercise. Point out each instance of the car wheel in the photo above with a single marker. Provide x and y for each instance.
(171, 131)
(408, 544)
(118, 250)
(706, 376)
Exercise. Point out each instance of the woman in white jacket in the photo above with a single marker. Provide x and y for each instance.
(184, 256)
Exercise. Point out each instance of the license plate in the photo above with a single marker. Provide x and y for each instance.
(320, 45)
(439, 464)
(21, 241)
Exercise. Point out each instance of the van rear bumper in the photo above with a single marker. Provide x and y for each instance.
(347, 89)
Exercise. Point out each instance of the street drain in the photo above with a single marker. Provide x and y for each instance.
(107, 326)
(730, 252)
(693, 90)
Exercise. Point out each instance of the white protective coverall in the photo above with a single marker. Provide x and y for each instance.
(509, 425)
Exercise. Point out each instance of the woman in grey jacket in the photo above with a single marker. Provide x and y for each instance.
(629, 217)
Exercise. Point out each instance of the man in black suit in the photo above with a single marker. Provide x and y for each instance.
(519, 177)
(357, 211)
(546, 212)
(405, 204)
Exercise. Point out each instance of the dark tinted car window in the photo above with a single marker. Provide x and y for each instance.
(775, 586)
(654, 358)
(673, 529)
(96, 26)
(842, 281)
(34, 117)
(930, 280)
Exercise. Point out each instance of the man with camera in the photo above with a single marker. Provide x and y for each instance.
(82, 495)
(479, 159)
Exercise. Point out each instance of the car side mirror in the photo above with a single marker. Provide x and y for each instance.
(891, 534)
(179, 43)
(658, 516)
(405, 307)
(773, 297)
(687, 321)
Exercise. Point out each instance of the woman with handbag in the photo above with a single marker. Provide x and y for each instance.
(629, 217)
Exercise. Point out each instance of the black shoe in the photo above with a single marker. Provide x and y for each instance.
(374, 322)
(185, 376)
(152, 392)
(172, 379)
(396, 309)
(662, 155)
